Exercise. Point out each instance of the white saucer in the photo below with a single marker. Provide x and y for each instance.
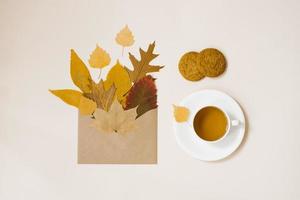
(189, 140)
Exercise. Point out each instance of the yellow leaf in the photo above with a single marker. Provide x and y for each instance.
(120, 78)
(71, 97)
(103, 98)
(99, 58)
(125, 37)
(86, 106)
(181, 113)
(79, 73)
(116, 120)
(76, 99)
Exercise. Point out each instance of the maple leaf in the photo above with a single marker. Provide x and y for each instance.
(115, 120)
(86, 106)
(181, 113)
(142, 67)
(102, 97)
(99, 58)
(142, 95)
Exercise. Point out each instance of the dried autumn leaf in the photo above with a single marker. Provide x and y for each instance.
(79, 73)
(115, 120)
(102, 97)
(125, 37)
(142, 95)
(99, 58)
(86, 106)
(76, 99)
(181, 113)
(119, 77)
(142, 67)
(71, 97)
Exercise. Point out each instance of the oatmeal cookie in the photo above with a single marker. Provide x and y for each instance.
(190, 68)
(212, 61)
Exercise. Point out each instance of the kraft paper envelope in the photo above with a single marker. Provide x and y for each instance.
(138, 147)
(117, 121)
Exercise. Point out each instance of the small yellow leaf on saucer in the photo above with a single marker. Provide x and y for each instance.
(181, 113)
(86, 106)
(99, 58)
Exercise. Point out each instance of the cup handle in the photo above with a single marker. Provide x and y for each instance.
(235, 122)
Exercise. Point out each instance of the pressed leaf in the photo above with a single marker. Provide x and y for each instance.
(181, 113)
(86, 106)
(76, 99)
(71, 97)
(99, 58)
(125, 37)
(142, 67)
(142, 95)
(79, 73)
(116, 120)
(102, 97)
(119, 77)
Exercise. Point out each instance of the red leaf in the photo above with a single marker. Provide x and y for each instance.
(142, 95)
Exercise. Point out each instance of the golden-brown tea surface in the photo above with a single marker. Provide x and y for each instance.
(210, 123)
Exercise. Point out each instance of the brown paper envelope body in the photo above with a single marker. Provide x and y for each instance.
(138, 147)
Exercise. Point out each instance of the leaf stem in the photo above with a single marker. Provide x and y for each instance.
(100, 73)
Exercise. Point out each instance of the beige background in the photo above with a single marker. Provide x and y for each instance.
(38, 133)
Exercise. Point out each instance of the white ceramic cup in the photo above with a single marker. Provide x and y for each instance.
(230, 123)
